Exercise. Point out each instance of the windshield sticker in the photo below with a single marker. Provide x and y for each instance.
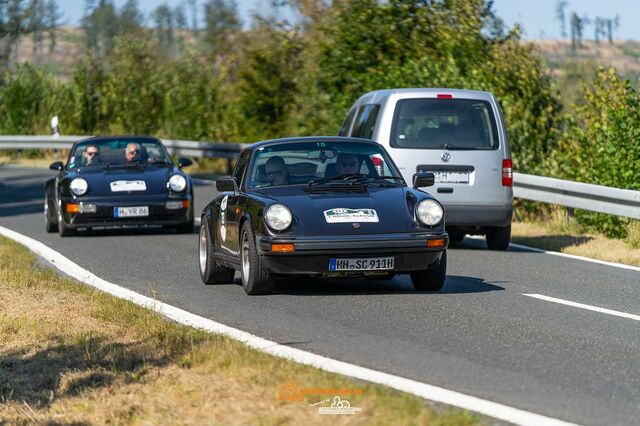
(128, 185)
(350, 215)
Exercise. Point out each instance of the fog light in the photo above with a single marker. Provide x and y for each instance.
(175, 205)
(72, 208)
(435, 243)
(282, 248)
(88, 208)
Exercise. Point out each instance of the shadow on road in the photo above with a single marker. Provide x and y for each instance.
(22, 194)
(454, 284)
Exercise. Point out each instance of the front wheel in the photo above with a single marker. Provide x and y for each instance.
(49, 224)
(210, 271)
(255, 279)
(63, 229)
(498, 237)
(431, 279)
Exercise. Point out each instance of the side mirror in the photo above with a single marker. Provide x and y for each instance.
(226, 184)
(56, 165)
(423, 179)
(184, 162)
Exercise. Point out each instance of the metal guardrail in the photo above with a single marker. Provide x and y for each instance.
(597, 198)
(585, 196)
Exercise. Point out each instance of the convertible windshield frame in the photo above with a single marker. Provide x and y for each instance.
(112, 153)
(302, 150)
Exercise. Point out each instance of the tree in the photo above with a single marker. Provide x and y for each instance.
(130, 19)
(221, 22)
(52, 16)
(561, 5)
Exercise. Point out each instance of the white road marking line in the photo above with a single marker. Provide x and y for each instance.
(583, 306)
(422, 390)
(569, 256)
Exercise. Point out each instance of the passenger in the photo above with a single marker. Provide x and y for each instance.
(91, 155)
(347, 164)
(132, 152)
(276, 171)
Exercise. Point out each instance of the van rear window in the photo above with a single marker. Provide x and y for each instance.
(430, 123)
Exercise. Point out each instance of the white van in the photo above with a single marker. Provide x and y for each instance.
(460, 136)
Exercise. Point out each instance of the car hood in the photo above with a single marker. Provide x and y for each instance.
(332, 213)
(155, 179)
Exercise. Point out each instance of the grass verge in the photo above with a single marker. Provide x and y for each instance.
(558, 231)
(73, 355)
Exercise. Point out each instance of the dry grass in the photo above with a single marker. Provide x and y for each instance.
(70, 354)
(565, 235)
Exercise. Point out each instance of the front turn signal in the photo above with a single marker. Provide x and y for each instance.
(282, 248)
(436, 243)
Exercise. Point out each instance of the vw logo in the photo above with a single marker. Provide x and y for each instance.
(446, 156)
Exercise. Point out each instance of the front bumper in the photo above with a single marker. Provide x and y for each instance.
(105, 207)
(312, 254)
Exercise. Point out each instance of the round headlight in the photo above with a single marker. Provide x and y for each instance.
(278, 217)
(79, 186)
(429, 212)
(177, 183)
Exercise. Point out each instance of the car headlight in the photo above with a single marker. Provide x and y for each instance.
(79, 186)
(177, 183)
(429, 212)
(278, 217)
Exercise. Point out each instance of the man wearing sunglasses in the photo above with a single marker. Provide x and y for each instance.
(347, 164)
(91, 155)
(132, 152)
(276, 171)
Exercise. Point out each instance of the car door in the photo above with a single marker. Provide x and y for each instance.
(233, 209)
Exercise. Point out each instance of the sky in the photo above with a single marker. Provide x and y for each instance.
(537, 17)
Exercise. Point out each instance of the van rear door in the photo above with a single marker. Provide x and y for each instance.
(458, 140)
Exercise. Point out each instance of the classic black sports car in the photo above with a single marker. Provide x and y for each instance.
(321, 207)
(118, 181)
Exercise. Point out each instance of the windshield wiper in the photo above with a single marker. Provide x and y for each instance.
(398, 179)
(344, 177)
(457, 147)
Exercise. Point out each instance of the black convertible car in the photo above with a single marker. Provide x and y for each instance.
(321, 207)
(118, 181)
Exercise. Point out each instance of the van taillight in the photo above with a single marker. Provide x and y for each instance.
(507, 172)
(378, 163)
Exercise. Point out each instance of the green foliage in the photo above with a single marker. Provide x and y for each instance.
(459, 44)
(601, 143)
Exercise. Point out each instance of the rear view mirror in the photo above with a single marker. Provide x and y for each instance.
(184, 162)
(226, 184)
(423, 179)
(56, 166)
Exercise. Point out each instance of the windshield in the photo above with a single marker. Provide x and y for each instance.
(118, 152)
(319, 163)
(429, 123)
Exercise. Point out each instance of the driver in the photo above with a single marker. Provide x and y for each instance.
(347, 164)
(276, 171)
(91, 155)
(132, 152)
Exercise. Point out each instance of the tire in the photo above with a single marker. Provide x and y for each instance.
(498, 237)
(49, 225)
(186, 228)
(63, 229)
(255, 279)
(210, 271)
(431, 279)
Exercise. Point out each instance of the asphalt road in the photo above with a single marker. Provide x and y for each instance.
(480, 335)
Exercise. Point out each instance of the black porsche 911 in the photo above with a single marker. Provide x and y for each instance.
(321, 207)
(118, 181)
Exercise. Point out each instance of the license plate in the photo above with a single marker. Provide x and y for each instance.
(361, 264)
(139, 211)
(452, 177)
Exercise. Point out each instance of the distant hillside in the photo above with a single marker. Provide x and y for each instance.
(623, 55)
